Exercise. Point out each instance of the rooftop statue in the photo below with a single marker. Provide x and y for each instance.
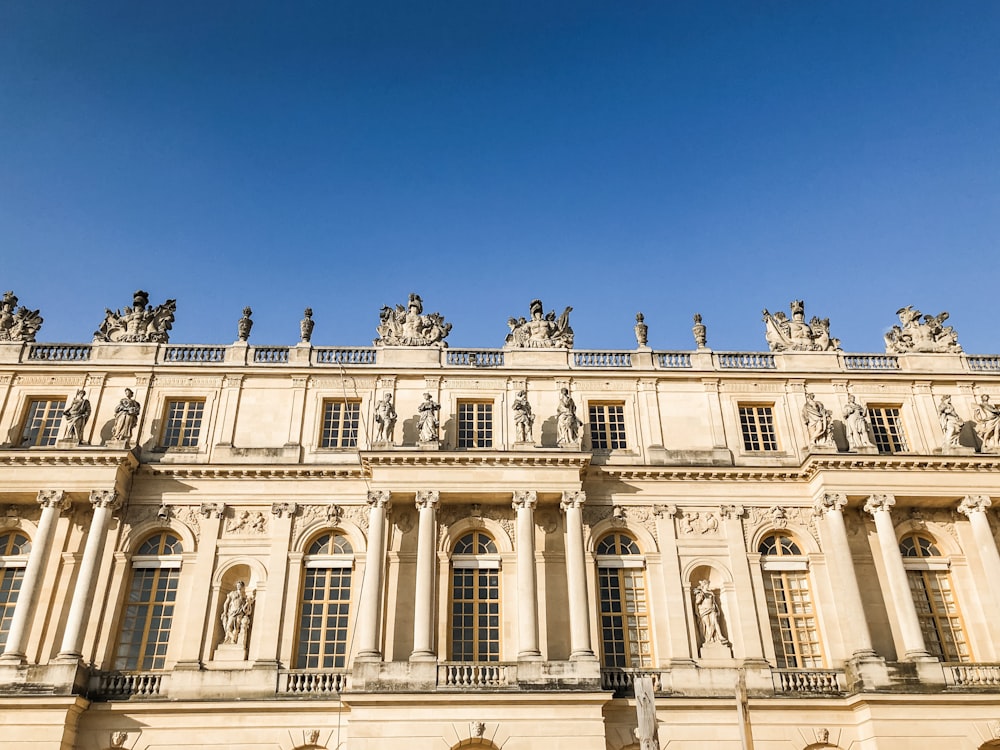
(795, 335)
(17, 323)
(914, 335)
(138, 323)
(540, 332)
(408, 326)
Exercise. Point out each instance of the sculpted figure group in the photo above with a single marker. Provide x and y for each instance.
(540, 331)
(139, 322)
(17, 323)
(796, 335)
(408, 326)
(916, 335)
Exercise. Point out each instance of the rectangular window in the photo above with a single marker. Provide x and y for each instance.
(937, 610)
(475, 614)
(148, 616)
(624, 618)
(340, 424)
(326, 600)
(475, 424)
(10, 586)
(887, 428)
(182, 423)
(793, 620)
(607, 427)
(757, 427)
(42, 421)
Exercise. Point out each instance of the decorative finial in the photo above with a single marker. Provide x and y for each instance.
(700, 332)
(306, 326)
(641, 331)
(245, 324)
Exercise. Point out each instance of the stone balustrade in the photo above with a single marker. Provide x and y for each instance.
(471, 676)
(125, 685)
(809, 681)
(972, 675)
(622, 679)
(302, 682)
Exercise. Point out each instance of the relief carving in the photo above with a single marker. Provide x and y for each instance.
(244, 522)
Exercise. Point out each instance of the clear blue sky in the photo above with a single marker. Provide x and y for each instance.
(670, 157)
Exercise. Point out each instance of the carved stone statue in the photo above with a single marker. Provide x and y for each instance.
(427, 420)
(17, 323)
(76, 416)
(700, 332)
(795, 335)
(237, 614)
(708, 614)
(951, 423)
(856, 423)
(408, 326)
(523, 417)
(244, 325)
(306, 326)
(138, 323)
(385, 419)
(987, 418)
(126, 417)
(641, 330)
(914, 335)
(540, 331)
(819, 422)
(567, 424)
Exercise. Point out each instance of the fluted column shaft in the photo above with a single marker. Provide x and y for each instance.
(105, 502)
(851, 607)
(576, 577)
(527, 589)
(423, 605)
(371, 595)
(899, 587)
(52, 502)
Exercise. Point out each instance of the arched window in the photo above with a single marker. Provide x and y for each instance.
(790, 608)
(621, 584)
(14, 548)
(475, 598)
(149, 611)
(934, 598)
(325, 603)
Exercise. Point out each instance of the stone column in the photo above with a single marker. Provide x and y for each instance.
(899, 587)
(851, 609)
(974, 506)
(527, 588)
(371, 597)
(52, 502)
(105, 502)
(576, 577)
(423, 605)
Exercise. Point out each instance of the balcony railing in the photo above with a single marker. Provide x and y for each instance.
(304, 682)
(271, 355)
(463, 675)
(474, 357)
(124, 685)
(809, 681)
(745, 360)
(989, 363)
(344, 356)
(59, 352)
(870, 362)
(673, 360)
(972, 675)
(602, 359)
(622, 679)
(197, 354)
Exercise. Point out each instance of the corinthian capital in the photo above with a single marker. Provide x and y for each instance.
(428, 499)
(974, 504)
(828, 502)
(875, 503)
(379, 499)
(105, 499)
(53, 499)
(574, 499)
(525, 499)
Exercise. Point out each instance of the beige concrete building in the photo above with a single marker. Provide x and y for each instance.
(256, 549)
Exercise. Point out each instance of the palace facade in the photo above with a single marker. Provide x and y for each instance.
(405, 545)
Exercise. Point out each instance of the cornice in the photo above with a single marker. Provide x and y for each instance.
(68, 458)
(241, 471)
(448, 459)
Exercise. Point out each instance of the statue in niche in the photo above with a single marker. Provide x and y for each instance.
(951, 423)
(428, 423)
(819, 422)
(707, 608)
(914, 335)
(138, 323)
(523, 417)
(408, 326)
(126, 417)
(17, 323)
(987, 418)
(567, 424)
(540, 331)
(385, 419)
(76, 416)
(856, 423)
(237, 613)
(795, 335)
